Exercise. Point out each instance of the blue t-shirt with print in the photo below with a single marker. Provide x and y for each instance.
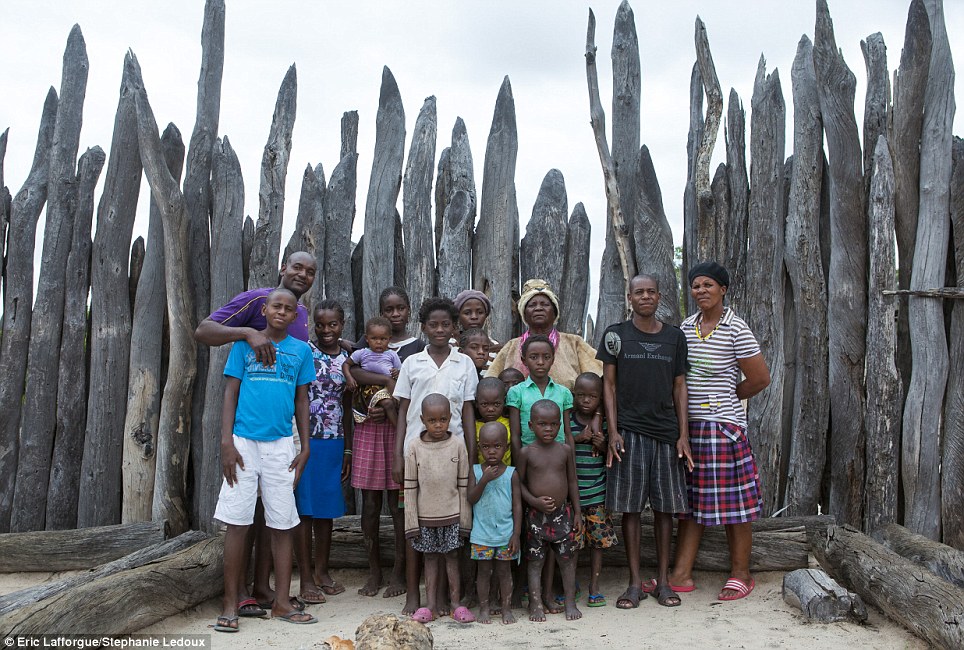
(266, 402)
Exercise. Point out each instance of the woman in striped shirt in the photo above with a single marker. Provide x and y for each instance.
(724, 484)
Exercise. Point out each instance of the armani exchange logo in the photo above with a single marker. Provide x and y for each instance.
(650, 347)
(613, 343)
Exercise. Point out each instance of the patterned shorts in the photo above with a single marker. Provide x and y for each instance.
(480, 552)
(550, 528)
(437, 540)
(724, 486)
(597, 529)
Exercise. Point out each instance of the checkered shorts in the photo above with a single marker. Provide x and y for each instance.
(724, 486)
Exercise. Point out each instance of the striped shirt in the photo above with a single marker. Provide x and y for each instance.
(714, 370)
(590, 470)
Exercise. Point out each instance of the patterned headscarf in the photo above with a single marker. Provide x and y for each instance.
(535, 287)
(472, 294)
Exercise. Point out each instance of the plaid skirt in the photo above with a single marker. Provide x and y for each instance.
(724, 486)
(373, 448)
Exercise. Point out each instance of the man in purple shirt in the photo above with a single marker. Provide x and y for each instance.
(241, 320)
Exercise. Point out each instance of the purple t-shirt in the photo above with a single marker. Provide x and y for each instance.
(244, 310)
(380, 362)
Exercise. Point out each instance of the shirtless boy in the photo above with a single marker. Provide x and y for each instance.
(547, 471)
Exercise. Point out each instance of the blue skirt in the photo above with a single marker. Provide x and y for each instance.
(318, 493)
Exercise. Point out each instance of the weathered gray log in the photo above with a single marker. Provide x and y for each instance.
(590, 329)
(455, 172)
(61, 507)
(779, 544)
(147, 337)
(197, 196)
(83, 548)
(38, 419)
(885, 392)
(733, 246)
(263, 267)
(4, 197)
(810, 405)
(339, 218)
(615, 220)
(714, 224)
(706, 241)
(455, 248)
(654, 238)
(443, 194)
(876, 101)
(357, 255)
(940, 559)
(110, 339)
(923, 408)
(540, 255)
(383, 187)
(820, 598)
(625, 149)
(24, 597)
(928, 606)
(400, 273)
(174, 432)
(847, 286)
(765, 276)
(349, 133)
(309, 232)
(136, 265)
(575, 279)
(129, 600)
(952, 460)
(495, 268)
(910, 82)
(790, 318)
(417, 206)
(247, 244)
(17, 300)
(693, 138)
(227, 213)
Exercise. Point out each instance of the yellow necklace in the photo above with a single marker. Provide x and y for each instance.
(699, 334)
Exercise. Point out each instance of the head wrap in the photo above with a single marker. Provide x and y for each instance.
(535, 287)
(472, 294)
(712, 270)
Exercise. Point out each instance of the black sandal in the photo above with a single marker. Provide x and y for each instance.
(664, 595)
(632, 595)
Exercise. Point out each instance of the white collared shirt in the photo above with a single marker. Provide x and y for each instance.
(419, 377)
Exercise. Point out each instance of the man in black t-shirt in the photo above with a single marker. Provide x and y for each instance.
(644, 387)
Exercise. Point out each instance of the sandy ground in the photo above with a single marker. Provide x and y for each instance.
(762, 620)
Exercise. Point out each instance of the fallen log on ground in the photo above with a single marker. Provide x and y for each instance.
(130, 600)
(779, 544)
(83, 548)
(24, 597)
(928, 606)
(940, 559)
(820, 598)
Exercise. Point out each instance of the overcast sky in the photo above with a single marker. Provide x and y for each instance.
(457, 51)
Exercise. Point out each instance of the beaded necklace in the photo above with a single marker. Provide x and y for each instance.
(699, 320)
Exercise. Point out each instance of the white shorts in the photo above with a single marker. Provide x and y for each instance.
(266, 464)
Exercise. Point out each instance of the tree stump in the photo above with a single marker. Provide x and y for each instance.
(575, 279)
(733, 246)
(455, 248)
(417, 206)
(339, 217)
(821, 599)
(654, 238)
(542, 253)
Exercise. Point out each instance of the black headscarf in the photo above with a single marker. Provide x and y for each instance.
(712, 270)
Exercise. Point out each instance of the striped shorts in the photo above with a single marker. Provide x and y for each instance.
(649, 469)
(724, 484)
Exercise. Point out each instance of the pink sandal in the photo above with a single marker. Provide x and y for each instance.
(423, 615)
(463, 615)
(741, 588)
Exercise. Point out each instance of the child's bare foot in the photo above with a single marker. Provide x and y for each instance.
(483, 616)
(444, 610)
(572, 612)
(371, 587)
(412, 603)
(536, 612)
(396, 587)
(553, 608)
(507, 617)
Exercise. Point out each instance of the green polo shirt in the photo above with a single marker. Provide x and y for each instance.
(523, 396)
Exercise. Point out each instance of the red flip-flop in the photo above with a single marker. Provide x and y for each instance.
(742, 589)
(650, 587)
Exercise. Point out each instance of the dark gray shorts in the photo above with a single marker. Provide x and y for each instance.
(649, 469)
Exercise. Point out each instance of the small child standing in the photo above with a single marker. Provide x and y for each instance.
(547, 473)
(379, 359)
(475, 344)
(490, 407)
(257, 450)
(537, 356)
(437, 513)
(597, 531)
(495, 493)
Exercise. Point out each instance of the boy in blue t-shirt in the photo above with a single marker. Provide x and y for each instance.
(257, 450)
